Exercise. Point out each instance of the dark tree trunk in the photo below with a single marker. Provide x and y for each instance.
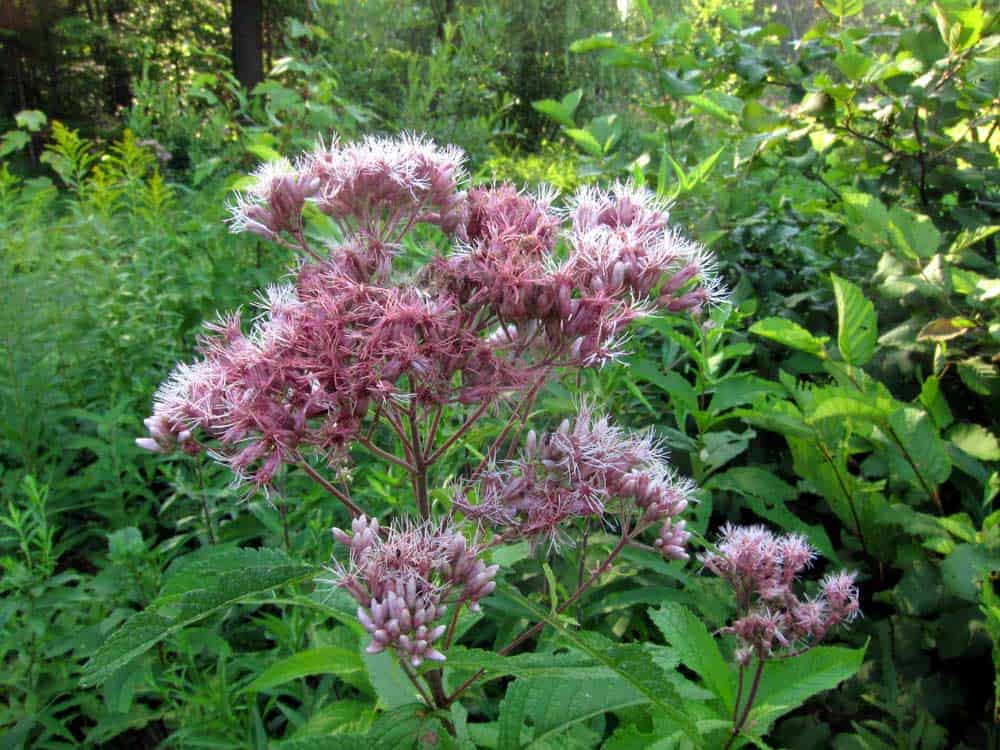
(120, 75)
(246, 24)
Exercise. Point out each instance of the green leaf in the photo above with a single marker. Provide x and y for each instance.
(965, 567)
(923, 449)
(843, 8)
(596, 42)
(935, 403)
(564, 666)
(945, 329)
(631, 662)
(710, 105)
(561, 111)
(553, 705)
(979, 376)
(913, 234)
(976, 440)
(391, 684)
(696, 648)
(30, 119)
(586, 141)
(324, 660)
(790, 334)
(215, 592)
(13, 140)
(865, 217)
(857, 327)
(787, 684)
(846, 406)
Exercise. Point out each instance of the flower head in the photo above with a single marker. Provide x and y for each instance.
(763, 570)
(404, 576)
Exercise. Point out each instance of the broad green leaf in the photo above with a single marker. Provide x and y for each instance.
(848, 407)
(857, 327)
(696, 648)
(561, 111)
(969, 237)
(913, 234)
(979, 376)
(553, 705)
(30, 119)
(585, 140)
(631, 662)
(709, 105)
(596, 42)
(531, 665)
(787, 684)
(843, 8)
(13, 140)
(165, 617)
(976, 440)
(790, 334)
(323, 660)
(865, 217)
(923, 449)
(966, 567)
(391, 684)
(200, 570)
(935, 403)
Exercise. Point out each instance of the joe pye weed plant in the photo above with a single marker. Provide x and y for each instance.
(362, 351)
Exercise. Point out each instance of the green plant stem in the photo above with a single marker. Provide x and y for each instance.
(328, 486)
(416, 682)
(466, 425)
(384, 454)
(847, 495)
(738, 726)
(538, 626)
(931, 491)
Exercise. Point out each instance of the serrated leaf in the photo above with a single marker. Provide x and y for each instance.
(787, 684)
(790, 334)
(976, 440)
(847, 407)
(857, 326)
(979, 376)
(696, 648)
(165, 617)
(563, 666)
(323, 660)
(966, 567)
(630, 662)
(922, 446)
(554, 705)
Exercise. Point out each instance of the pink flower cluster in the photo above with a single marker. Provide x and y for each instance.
(762, 569)
(352, 334)
(585, 469)
(403, 577)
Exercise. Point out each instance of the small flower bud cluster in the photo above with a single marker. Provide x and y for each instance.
(585, 468)
(762, 570)
(402, 578)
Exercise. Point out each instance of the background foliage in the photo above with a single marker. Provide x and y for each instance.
(841, 161)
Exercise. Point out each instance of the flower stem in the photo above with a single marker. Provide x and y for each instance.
(329, 487)
(738, 726)
(538, 626)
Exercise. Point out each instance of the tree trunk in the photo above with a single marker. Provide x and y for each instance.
(246, 24)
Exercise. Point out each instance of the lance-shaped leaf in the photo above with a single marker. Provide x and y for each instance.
(180, 609)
